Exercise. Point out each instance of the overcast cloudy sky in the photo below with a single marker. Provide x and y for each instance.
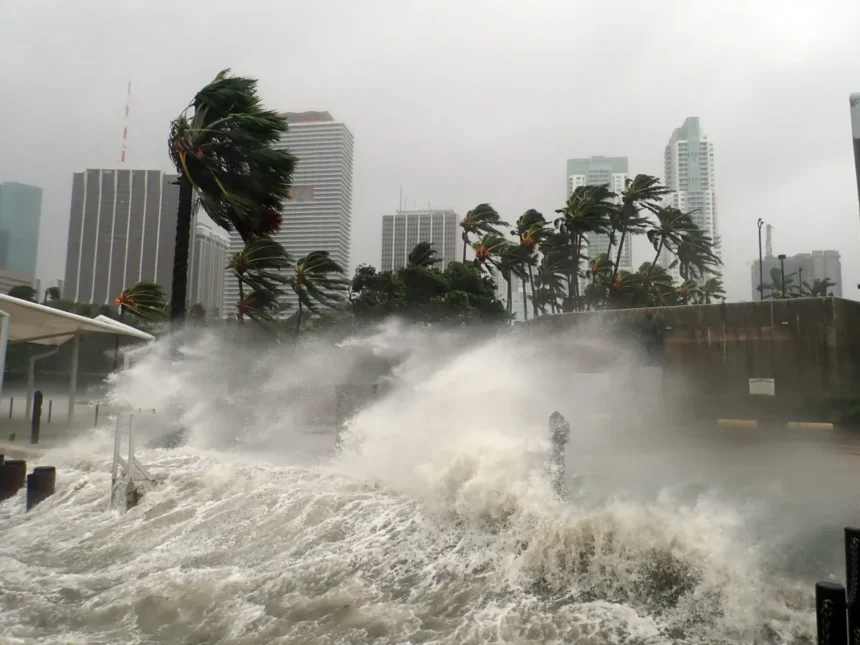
(462, 101)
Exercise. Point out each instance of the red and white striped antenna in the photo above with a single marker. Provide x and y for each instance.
(125, 125)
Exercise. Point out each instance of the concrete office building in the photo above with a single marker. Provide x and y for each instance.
(319, 215)
(122, 230)
(854, 102)
(20, 212)
(689, 172)
(597, 171)
(402, 231)
(207, 268)
(803, 268)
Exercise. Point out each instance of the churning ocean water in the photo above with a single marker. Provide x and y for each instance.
(435, 524)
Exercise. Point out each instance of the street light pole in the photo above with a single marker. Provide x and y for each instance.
(800, 280)
(781, 258)
(760, 264)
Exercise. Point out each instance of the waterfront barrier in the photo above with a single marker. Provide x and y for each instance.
(13, 474)
(837, 608)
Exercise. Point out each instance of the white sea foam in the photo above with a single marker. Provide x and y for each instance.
(435, 524)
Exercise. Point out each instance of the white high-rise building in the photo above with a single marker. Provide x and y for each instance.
(207, 268)
(689, 171)
(318, 216)
(405, 229)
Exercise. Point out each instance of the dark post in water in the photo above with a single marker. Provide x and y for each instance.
(830, 613)
(12, 475)
(852, 578)
(41, 484)
(36, 417)
(559, 435)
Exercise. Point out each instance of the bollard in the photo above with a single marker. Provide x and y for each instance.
(36, 417)
(41, 484)
(97, 415)
(559, 435)
(830, 613)
(852, 579)
(12, 476)
(50, 409)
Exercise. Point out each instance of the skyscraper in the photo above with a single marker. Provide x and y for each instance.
(206, 270)
(598, 171)
(318, 216)
(20, 212)
(403, 230)
(854, 101)
(122, 230)
(689, 170)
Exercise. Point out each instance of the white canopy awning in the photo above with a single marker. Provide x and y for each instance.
(34, 323)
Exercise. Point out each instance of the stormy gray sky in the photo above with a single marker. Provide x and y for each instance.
(462, 101)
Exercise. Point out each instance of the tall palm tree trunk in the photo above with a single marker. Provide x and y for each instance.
(510, 304)
(299, 317)
(240, 316)
(116, 343)
(525, 301)
(465, 244)
(620, 249)
(178, 291)
(532, 285)
(657, 257)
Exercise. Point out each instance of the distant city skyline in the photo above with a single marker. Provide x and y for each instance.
(403, 230)
(207, 267)
(800, 269)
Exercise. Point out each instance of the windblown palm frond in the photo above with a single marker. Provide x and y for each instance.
(423, 255)
(146, 300)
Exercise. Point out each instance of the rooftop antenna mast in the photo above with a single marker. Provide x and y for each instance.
(400, 205)
(124, 149)
(768, 247)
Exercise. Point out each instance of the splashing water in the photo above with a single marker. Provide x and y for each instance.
(435, 524)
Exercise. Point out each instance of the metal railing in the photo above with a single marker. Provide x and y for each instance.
(125, 471)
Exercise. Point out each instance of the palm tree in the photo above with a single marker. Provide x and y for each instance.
(423, 255)
(221, 146)
(23, 292)
(668, 230)
(316, 280)
(144, 300)
(779, 286)
(713, 289)
(487, 248)
(52, 294)
(550, 277)
(481, 220)
(695, 254)
(262, 267)
(599, 273)
(509, 262)
(643, 191)
(689, 290)
(531, 230)
(587, 210)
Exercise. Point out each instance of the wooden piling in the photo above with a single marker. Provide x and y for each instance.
(830, 613)
(13, 474)
(36, 417)
(852, 580)
(41, 484)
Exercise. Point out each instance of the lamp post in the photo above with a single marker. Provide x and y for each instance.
(781, 258)
(800, 281)
(760, 264)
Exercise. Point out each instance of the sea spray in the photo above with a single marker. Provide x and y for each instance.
(435, 523)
